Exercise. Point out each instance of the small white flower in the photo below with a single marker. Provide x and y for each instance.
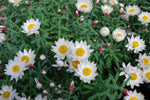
(106, 9)
(125, 17)
(60, 63)
(27, 56)
(134, 73)
(134, 96)
(146, 75)
(7, 93)
(84, 6)
(113, 2)
(119, 34)
(15, 2)
(39, 97)
(15, 68)
(86, 71)
(31, 26)
(136, 44)
(132, 10)
(144, 18)
(2, 37)
(42, 57)
(143, 61)
(62, 48)
(104, 31)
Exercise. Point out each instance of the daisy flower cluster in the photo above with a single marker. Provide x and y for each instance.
(15, 68)
(76, 54)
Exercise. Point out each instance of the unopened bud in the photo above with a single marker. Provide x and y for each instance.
(104, 31)
(52, 84)
(128, 27)
(77, 13)
(144, 30)
(107, 45)
(37, 0)
(2, 18)
(94, 22)
(67, 8)
(100, 48)
(27, 3)
(71, 86)
(42, 57)
(58, 11)
(126, 92)
(45, 92)
(121, 5)
(43, 72)
(96, 2)
(31, 66)
(121, 11)
(81, 18)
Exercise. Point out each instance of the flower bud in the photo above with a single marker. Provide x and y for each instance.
(94, 22)
(42, 57)
(27, 3)
(3, 37)
(94, 40)
(131, 33)
(2, 18)
(77, 13)
(104, 31)
(45, 92)
(100, 48)
(144, 30)
(96, 2)
(3, 28)
(126, 92)
(81, 18)
(37, 0)
(58, 11)
(121, 11)
(128, 27)
(107, 45)
(31, 66)
(71, 86)
(60, 63)
(38, 84)
(52, 84)
(121, 5)
(141, 31)
(67, 8)
(107, 14)
(43, 72)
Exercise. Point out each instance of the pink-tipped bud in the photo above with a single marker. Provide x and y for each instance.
(58, 11)
(128, 27)
(94, 22)
(131, 33)
(38, 84)
(45, 92)
(43, 72)
(3, 28)
(2, 12)
(121, 11)
(115, 4)
(67, 8)
(2, 18)
(144, 30)
(31, 66)
(107, 45)
(100, 48)
(77, 13)
(96, 2)
(94, 40)
(37, 0)
(52, 84)
(27, 3)
(81, 18)
(71, 86)
(126, 92)
(42, 57)
(141, 31)
(107, 14)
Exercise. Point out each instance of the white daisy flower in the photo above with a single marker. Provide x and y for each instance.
(7, 93)
(31, 26)
(143, 61)
(15, 2)
(86, 71)
(144, 18)
(134, 96)
(106, 9)
(119, 34)
(134, 73)
(132, 10)
(39, 97)
(62, 48)
(113, 2)
(2, 37)
(105, 1)
(27, 56)
(104, 31)
(146, 75)
(15, 69)
(80, 51)
(84, 6)
(136, 44)
(125, 17)
(73, 64)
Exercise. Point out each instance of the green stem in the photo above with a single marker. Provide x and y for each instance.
(30, 84)
(59, 26)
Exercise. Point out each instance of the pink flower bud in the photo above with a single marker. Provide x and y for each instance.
(126, 92)
(42, 57)
(107, 45)
(100, 48)
(107, 14)
(128, 27)
(37, 0)
(58, 11)
(43, 72)
(71, 86)
(2, 18)
(94, 22)
(67, 8)
(77, 13)
(96, 2)
(38, 84)
(52, 84)
(141, 30)
(2, 12)
(45, 92)
(31, 66)
(82, 18)
(94, 40)
(131, 33)
(3, 28)
(121, 11)
(144, 30)
(27, 3)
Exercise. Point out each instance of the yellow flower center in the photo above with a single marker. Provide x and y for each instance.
(15, 0)
(148, 75)
(133, 98)
(15, 68)
(83, 6)
(146, 61)
(134, 76)
(80, 52)
(6, 94)
(2, 7)
(145, 17)
(63, 49)
(107, 9)
(135, 44)
(30, 26)
(87, 71)
(132, 10)
(75, 64)
(26, 58)
(113, 1)
(118, 34)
